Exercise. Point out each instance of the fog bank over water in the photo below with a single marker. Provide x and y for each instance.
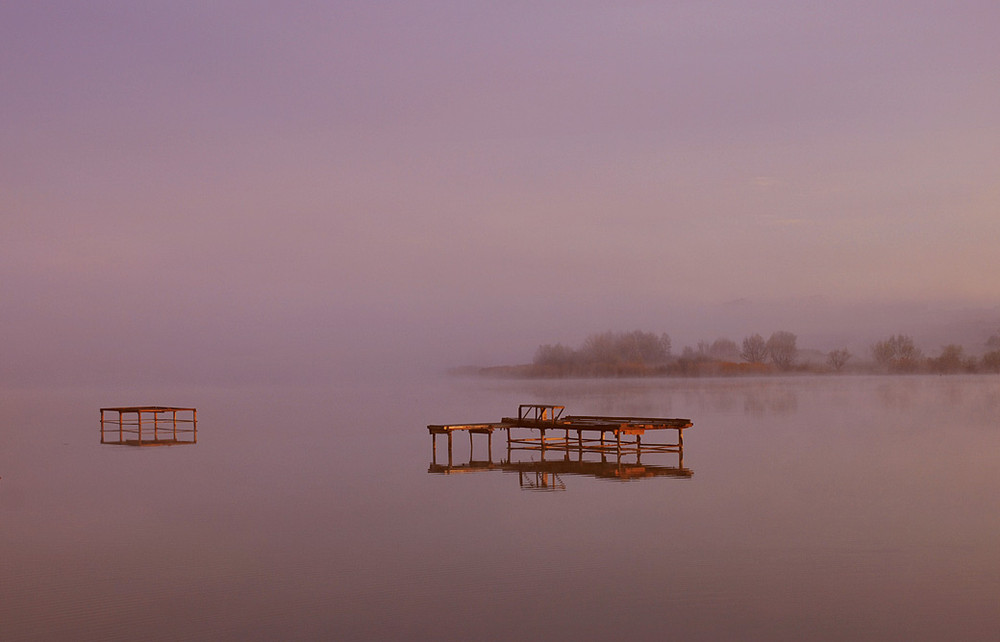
(220, 346)
(234, 192)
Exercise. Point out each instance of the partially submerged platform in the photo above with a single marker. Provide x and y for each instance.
(563, 438)
(163, 426)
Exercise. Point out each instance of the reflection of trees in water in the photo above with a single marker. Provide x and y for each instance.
(896, 393)
(971, 396)
(605, 397)
(667, 398)
(937, 392)
(724, 401)
(990, 402)
(953, 393)
(771, 402)
(963, 398)
(757, 399)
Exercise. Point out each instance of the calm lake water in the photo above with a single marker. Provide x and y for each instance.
(839, 508)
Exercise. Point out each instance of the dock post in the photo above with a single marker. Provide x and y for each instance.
(489, 446)
(121, 431)
(449, 449)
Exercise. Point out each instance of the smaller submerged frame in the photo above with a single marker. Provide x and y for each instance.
(149, 426)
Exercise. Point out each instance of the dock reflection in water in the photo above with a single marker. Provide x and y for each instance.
(593, 446)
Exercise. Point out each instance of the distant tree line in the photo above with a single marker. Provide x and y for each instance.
(606, 354)
(899, 353)
(638, 353)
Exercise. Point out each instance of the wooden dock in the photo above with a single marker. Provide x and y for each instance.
(163, 426)
(561, 438)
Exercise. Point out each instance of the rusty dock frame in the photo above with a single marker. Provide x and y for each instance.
(550, 433)
(163, 426)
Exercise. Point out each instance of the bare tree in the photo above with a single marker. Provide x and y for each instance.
(897, 353)
(883, 353)
(724, 350)
(643, 347)
(781, 347)
(837, 359)
(952, 359)
(636, 347)
(665, 345)
(754, 349)
(556, 356)
(599, 348)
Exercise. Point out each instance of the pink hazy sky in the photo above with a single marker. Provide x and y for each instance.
(272, 187)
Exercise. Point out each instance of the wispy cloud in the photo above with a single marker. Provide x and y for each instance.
(764, 183)
(781, 221)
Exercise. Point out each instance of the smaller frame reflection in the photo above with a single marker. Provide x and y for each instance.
(149, 426)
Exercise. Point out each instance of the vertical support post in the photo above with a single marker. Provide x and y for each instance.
(156, 425)
(102, 425)
(434, 448)
(175, 425)
(470, 446)
(138, 421)
(449, 449)
(489, 446)
(194, 423)
(121, 430)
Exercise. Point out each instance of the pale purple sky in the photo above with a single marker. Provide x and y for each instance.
(270, 188)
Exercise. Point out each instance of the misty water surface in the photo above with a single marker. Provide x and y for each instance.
(818, 508)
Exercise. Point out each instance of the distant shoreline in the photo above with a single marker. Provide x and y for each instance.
(528, 371)
(610, 355)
